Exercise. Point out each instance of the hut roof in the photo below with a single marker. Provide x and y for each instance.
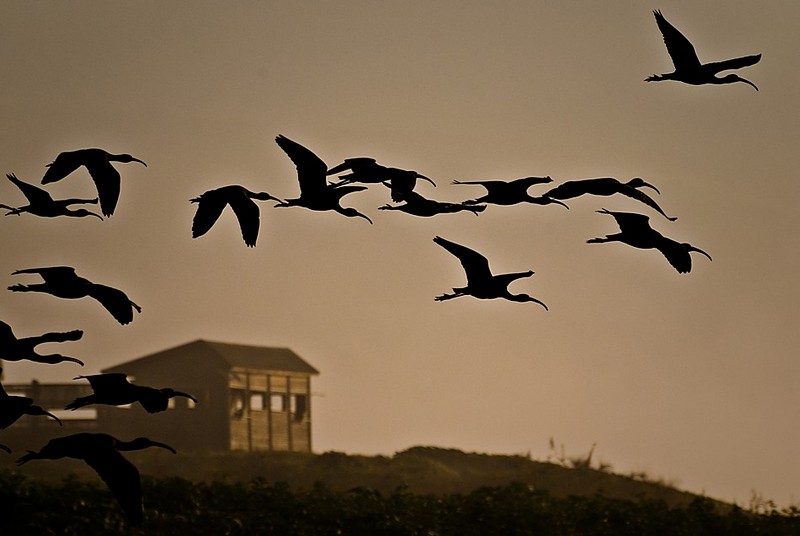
(232, 355)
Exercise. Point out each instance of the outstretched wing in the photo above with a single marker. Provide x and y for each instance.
(569, 190)
(209, 208)
(50, 272)
(351, 164)
(311, 169)
(64, 164)
(735, 63)
(677, 254)
(123, 479)
(629, 222)
(679, 48)
(34, 194)
(475, 265)
(107, 181)
(249, 216)
(115, 301)
(642, 197)
(107, 383)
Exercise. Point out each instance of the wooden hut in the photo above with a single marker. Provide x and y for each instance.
(248, 398)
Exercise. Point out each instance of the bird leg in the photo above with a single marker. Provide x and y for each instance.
(599, 240)
(22, 288)
(12, 210)
(456, 294)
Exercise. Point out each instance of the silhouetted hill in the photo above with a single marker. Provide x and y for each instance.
(421, 470)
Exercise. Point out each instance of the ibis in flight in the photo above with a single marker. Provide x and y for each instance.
(417, 205)
(114, 389)
(17, 349)
(315, 192)
(511, 192)
(98, 162)
(481, 283)
(211, 204)
(63, 282)
(635, 231)
(12, 407)
(41, 203)
(103, 453)
(688, 68)
(605, 186)
(367, 170)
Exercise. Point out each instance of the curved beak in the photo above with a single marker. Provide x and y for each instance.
(186, 395)
(163, 446)
(137, 160)
(556, 201)
(648, 185)
(45, 412)
(5, 448)
(423, 177)
(73, 360)
(90, 213)
(364, 216)
(692, 248)
(746, 81)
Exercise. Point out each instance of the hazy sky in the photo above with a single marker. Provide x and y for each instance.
(690, 377)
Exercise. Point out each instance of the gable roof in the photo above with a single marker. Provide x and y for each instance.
(234, 355)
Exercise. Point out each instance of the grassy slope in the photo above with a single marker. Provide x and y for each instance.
(419, 469)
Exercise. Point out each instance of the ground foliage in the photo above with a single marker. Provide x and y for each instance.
(179, 506)
(420, 491)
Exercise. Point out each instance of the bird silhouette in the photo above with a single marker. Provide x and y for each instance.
(417, 205)
(511, 192)
(688, 68)
(12, 407)
(40, 203)
(606, 186)
(102, 452)
(14, 349)
(98, 162)
(367, 171)
(635, 231)
(63, 282)
(315, 192)
(114, 389)
(481, 283)
(211, 204)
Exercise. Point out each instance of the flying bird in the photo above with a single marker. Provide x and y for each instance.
(635, 231)
(315, 192)
(511, 192)
(12, 407)
(114, 389)
(102, 452)
(366, 170)
(41, 203)
(98, 162)
(14, 349)
(688, 68)
(211, 204)
(63, 282)
(481, 283)
(606, 186)
(417, 205)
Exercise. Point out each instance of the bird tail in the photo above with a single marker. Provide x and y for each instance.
(654, 78)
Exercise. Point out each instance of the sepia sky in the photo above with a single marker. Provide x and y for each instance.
(689, 377)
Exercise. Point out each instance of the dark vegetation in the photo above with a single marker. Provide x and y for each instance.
(421, 490)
